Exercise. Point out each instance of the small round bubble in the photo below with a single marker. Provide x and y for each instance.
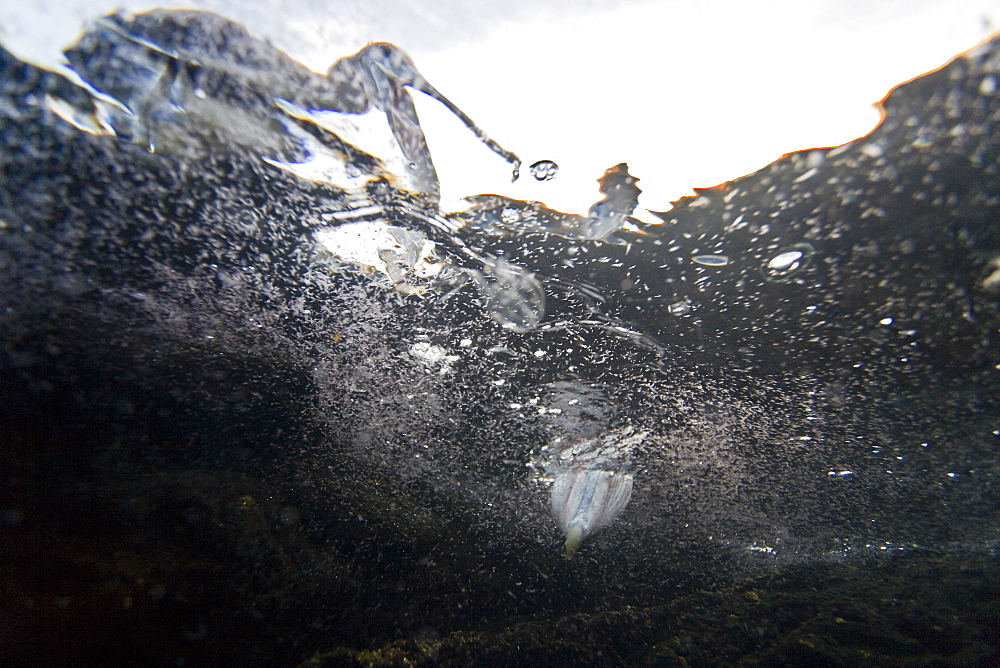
(544, 170)
(509, 215)
(787, 262)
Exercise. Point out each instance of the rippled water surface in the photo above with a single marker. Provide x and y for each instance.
(255, 375)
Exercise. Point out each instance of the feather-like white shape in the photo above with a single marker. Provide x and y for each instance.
(585, 501)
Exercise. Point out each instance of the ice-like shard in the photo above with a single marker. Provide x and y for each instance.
(173, 74)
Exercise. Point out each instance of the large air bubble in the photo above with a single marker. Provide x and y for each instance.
(787, 262)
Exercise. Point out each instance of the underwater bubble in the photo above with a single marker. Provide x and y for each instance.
(510, 215)
(682, 307)
(513, 296)
(787, 262)
(544, 170)
(784, 260)
(711, 260)
(289, 515)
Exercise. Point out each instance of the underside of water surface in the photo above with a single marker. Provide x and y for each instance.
(266, 403)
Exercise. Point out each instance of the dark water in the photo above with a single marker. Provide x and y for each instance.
(229, 439)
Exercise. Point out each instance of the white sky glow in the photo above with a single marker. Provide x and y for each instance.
(688, 94)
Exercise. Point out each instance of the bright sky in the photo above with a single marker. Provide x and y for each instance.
(689, 93)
